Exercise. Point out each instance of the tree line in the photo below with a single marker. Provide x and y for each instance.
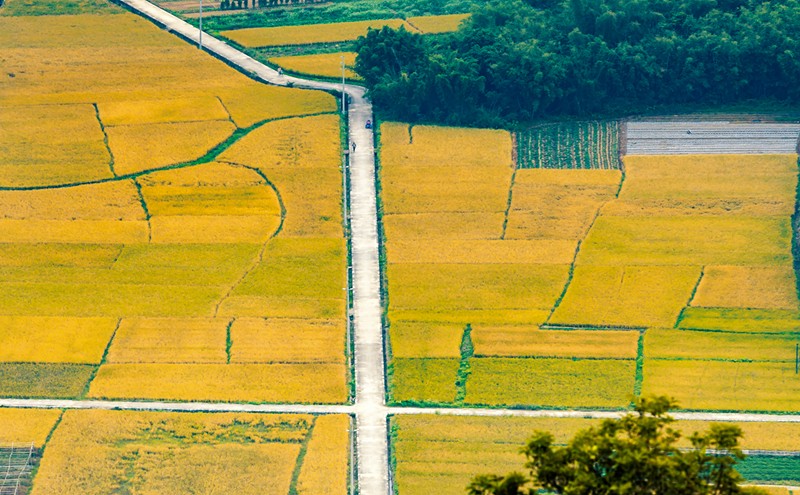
(517, 60)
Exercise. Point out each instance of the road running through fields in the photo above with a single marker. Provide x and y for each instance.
(369, 408)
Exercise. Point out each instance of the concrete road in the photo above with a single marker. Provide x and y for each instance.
(371, 433)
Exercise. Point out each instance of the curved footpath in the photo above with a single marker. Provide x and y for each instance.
(370, 408)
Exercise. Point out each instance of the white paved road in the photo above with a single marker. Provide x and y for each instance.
(371, 432)
(357, 409)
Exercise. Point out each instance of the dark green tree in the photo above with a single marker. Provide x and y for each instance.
(637, 454)
(518, 60)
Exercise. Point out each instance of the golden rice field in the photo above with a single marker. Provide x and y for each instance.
(424, 380)
(307, 34)
(179, 274)
(697, 243)
(526, 341)
(320, 64)
(688, 344)
(460, 251)
(433, 24)
(32, 425)
(334, 32)
(551, 382)
(626, 296)
(743, 252)
(148, 452)
(151, 87)
(740, 320)
(441, 454)
(738, 386)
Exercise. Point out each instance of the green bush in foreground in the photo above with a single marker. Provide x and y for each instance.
(636, 454)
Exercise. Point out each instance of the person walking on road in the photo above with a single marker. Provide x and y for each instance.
(353, 145)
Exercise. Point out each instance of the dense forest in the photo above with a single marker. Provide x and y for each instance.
(515, 61)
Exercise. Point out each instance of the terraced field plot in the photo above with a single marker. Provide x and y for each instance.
(441, 454)
(189, 236)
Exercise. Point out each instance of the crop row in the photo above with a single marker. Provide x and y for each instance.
(573, 145)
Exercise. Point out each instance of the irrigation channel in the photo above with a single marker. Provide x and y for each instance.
(370, 410)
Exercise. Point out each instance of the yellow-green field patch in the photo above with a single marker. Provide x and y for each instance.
(51, 144)
(27, 425)
(700, 240)
(169, 340)
(626, 296)
(306, 34)
(753, 185)
(735, 386)
(40, 339)
(279, 340)
(551, 382)
(764, 287)
(161, 111)
(558, 204)
(481, 251)
(148, 146)
(44, 380)
(741, 320)
(449, 286)
(425, 340)
(320, 64)
(509, 341)
(424, 380)
(325, 465)
(685, 344)
(302, 383)
(171, 453)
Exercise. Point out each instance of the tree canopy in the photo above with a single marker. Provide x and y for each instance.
(637, 454)
(518, 60)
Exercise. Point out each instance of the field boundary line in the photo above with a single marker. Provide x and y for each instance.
(692, 294)
(210, 156)
(301, 455)
(227, 112)
(467, 350)
(260, 256)
(638, 379)
(147, 215)
(228, 340)
(103, 359)
(510, 192)
(105, 139)
(578, 250)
